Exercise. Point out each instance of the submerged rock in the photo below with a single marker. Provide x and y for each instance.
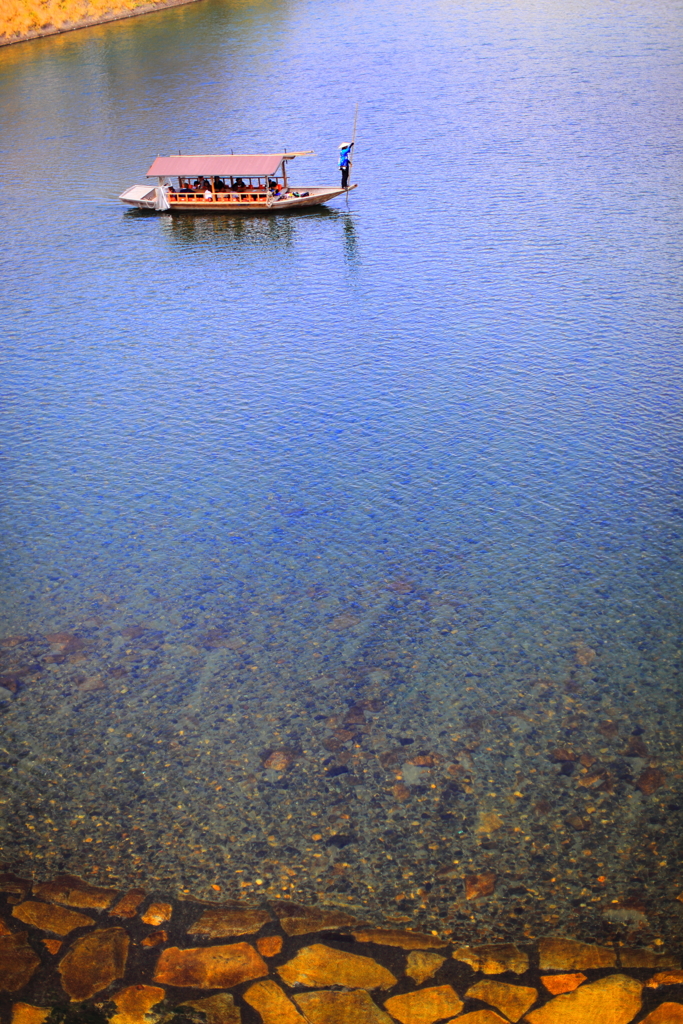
(50, 918)
(426, 1005)
(210, 966)
(18, 962)
(615, 999)
(224, 922)
(93, 962)
(319, 965)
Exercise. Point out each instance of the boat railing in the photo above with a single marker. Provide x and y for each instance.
(255, 196)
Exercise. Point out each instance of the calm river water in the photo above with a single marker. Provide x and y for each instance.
(343, 548)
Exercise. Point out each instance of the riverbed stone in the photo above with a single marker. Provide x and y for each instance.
(135, 1002)
(157, 913)
(93, 962)
(480, 885)
(74, 892)
(403, 940)
(11, 883)
(636, 958)
(50, 918)
(673, 977)
(269, 945)
(26, 1013)
(321, 965)
(615, 999)
(340, 1008)
(420, 966)
(270, 1001)
(225, 922)
(296, 919)
(128, 905)
(667, 1013)
(650, 780)
(496, 958)
(219, 1009)
(557, 954)
(557, 984)
(425, 1006)
(18, 962)
(53, 946)
(512, 1000)
(210, 966)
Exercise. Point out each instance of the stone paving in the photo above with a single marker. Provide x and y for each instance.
(75, 952)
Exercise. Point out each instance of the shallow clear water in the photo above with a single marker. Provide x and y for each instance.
(361, 524)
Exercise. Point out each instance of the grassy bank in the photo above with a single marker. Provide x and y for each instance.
(26, 19)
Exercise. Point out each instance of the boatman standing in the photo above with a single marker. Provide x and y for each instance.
(345, 162)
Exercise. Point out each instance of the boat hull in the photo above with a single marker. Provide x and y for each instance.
(145, 198)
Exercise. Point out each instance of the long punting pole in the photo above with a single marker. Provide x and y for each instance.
(353, 138)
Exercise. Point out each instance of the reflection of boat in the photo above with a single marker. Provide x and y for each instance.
(233, 182)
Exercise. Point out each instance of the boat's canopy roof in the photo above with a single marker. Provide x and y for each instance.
(231, 165)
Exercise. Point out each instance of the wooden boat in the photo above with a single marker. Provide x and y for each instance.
(235, 182)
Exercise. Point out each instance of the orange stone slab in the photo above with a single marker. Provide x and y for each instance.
(4, 929)
(425, 1006)
(52, 945)
(157, 938)
(320, 965)
(404, 940)
(225, 922)
(219, 1009)
(157, 913)
(299, 920)
(74, 892)
(18, 962)
(269, 945)
(665, 978)
(634, 958)
(615, 999)
(557, 984)
(421, 966)
(50, 918)
(512, 1000)
(25, 1013)
(496, 958)
(210, 966)
(570, 955)
(134, 1002)
(128, 905)
(667, 1013)
(270, 1001)
(93, 962)
(340, 1008)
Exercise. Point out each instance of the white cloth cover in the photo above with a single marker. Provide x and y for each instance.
(161, 199)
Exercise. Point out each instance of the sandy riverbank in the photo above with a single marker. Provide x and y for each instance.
(23, 20)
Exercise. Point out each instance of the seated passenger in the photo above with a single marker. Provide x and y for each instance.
(208, 195)
(219, 184)
(239, 185)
